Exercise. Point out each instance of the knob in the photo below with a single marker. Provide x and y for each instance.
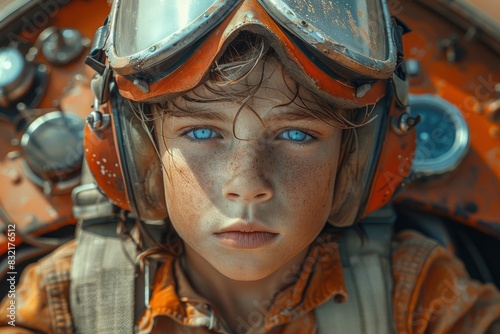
(60, 46)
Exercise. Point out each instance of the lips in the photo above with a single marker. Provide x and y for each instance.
(248, 235)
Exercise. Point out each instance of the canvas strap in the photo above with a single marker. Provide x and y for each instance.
(367, 275)
(102, 281)
(108, 290)
(102, 268)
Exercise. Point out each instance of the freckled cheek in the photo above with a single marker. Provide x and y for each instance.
(190, 186)
(308, 185)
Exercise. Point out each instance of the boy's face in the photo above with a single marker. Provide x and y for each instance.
(249, 204)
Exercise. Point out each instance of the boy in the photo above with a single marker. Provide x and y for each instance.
(256, 158)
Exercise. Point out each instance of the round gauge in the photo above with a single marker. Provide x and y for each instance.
(15, 75)
(53, 149)
(11, 66)
(442, 136)
(62, 46)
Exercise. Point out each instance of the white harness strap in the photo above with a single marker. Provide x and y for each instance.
(366, 266)
(102, 282)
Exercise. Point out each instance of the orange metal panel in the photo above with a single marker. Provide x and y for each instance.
(25, 203)
(471, 194)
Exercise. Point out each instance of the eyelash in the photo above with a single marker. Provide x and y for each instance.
(307, 132)
(194, 140)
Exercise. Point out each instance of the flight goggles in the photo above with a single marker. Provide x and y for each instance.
(344, 49)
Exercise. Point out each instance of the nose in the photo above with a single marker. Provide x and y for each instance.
(247, 182)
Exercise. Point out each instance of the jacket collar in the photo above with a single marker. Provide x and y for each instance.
(319, 279)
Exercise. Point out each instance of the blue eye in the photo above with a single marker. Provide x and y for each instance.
(202, 133)
(295, 135)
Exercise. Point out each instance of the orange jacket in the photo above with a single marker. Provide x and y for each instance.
(432, 294)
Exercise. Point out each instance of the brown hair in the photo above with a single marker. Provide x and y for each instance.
(239, 59)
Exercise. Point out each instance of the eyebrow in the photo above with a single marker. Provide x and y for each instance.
(203, 115)
(284, 113)
(292, 114)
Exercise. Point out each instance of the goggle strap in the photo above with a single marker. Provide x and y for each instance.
(97, 57)
(399, 29)
(400, 78)
(100, 85)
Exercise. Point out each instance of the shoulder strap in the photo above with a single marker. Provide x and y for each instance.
(367, 273)
(102, 281)
(102, 269)
(108, 293)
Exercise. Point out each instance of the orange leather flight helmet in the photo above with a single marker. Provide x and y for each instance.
(154, 51)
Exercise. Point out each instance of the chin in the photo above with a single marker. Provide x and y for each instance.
(245, 273)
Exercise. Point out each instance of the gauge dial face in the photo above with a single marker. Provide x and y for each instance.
(436, 133)
(52, 146)
(442, 136)
(11, 66)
